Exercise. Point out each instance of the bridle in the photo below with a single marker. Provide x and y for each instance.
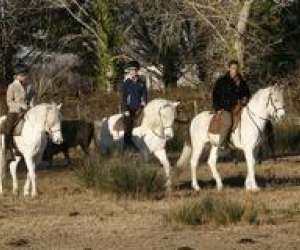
(251, 114)
(50, 131)
(276, 109)
(161, 122)
(270, 101)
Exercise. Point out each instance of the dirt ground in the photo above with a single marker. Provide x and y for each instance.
(68, 216)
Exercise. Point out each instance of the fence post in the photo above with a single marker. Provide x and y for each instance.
(195, 107)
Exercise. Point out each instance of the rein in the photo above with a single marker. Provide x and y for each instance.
(251, 114)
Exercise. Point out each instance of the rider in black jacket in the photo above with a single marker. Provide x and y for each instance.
(230, 89)
(230, 93)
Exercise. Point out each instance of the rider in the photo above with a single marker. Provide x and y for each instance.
(134, 98)
(230, 94)
(19, 97)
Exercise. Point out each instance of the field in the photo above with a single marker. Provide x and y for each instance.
(66, 215)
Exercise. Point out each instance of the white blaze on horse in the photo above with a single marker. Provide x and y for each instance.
(150, 137)
(39, 122)
(266, 104)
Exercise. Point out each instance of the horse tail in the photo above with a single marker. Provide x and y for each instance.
(97, 128)
(2, 158)
(186, 153)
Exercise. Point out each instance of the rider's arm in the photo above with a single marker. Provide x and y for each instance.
(245, 93)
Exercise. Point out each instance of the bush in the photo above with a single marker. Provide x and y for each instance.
(122, 175)
(219, 211)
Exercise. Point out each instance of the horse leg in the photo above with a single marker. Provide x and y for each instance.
(38, 159)
(13, 172)
(196, 153)
(250, 182)
(31, 177)
(162, 156)
(212, 163)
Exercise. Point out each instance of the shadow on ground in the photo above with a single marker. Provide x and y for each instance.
(238, 182)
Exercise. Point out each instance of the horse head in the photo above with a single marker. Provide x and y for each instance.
(275, 103)
(53, 123)
(166, 115)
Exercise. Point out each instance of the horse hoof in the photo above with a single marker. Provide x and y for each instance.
(220, 188)
(196, 188)
(253, 189)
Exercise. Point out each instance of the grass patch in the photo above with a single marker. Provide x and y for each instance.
(122, 175)
(212, 210)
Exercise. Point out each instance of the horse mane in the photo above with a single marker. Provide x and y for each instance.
(259, 92)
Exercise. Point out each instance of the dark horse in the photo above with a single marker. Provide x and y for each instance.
(75, 133)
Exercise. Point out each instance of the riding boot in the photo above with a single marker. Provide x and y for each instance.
(128, 143)
(129, 124)
(9, 147)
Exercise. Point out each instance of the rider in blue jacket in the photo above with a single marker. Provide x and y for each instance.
(134, 97)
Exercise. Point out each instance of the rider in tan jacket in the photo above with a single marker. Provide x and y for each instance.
(20, 95)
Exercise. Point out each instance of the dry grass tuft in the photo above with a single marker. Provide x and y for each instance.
(219, 211)
(121, 175)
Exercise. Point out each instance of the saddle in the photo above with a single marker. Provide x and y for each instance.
(13, 125)
(122, 122)
(225, 120)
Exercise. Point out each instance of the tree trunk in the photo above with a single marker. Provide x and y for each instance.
(241, 30)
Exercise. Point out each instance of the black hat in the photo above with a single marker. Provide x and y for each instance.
(133, 65)
(21, 69)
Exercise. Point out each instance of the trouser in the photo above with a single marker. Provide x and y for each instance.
(7, 128)
(221, 125)
(128, 126)
(11, 121)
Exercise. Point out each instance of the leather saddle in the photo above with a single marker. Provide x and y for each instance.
(225, 120)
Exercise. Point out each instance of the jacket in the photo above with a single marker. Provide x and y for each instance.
(227, 94)
(134, 94)
(19, 98)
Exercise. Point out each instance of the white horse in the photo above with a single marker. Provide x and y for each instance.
(266, 104)
(150, 137)
(39, 121)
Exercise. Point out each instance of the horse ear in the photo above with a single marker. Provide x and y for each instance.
(59, 106)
